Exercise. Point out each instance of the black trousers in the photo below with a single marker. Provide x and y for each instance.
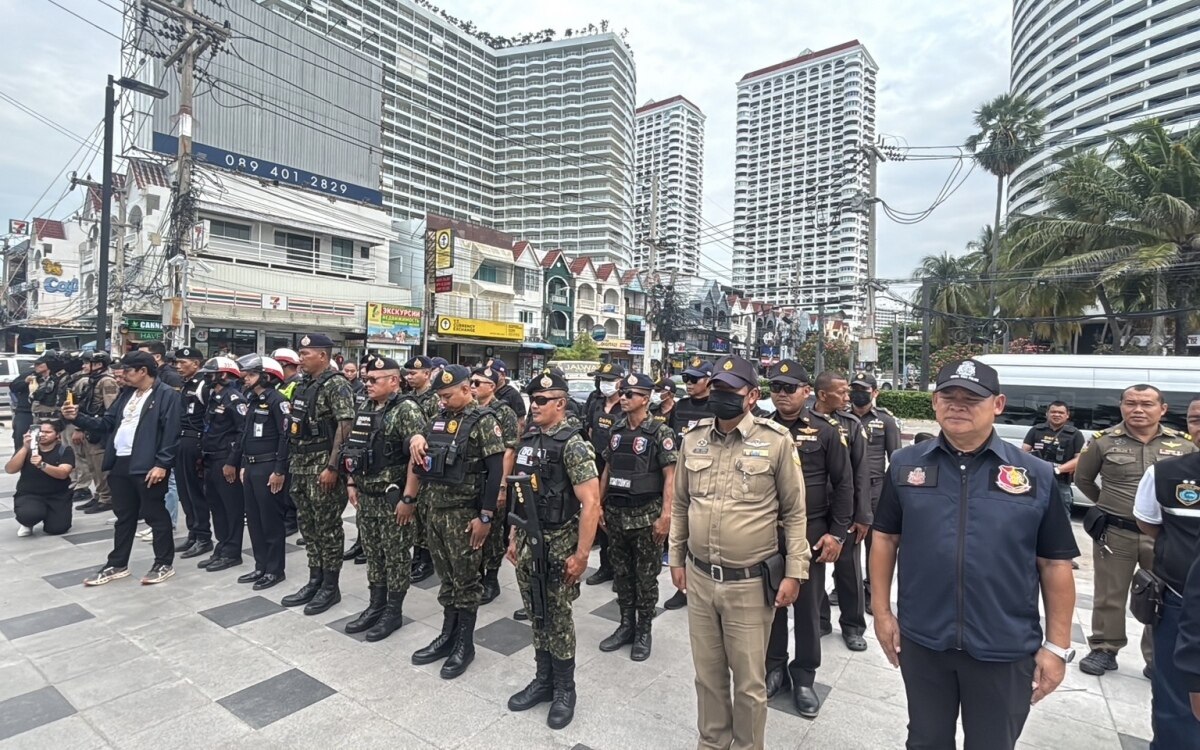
(228, 507)
(53, 512)
(848, 582)
(993, 697)
(290, 520)
(133, 499)
(22, 421)
(189, 480)
(803, 669)
(266, 512)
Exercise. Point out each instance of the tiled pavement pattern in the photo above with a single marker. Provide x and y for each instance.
(201, 661)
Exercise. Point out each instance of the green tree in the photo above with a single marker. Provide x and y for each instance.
(837, 354)
(584, 349)
(954, 290)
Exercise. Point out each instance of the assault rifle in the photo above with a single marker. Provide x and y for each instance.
(526, 519)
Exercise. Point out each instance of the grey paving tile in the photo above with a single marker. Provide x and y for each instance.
(504, 636)
(273, 699)
(38, 622)
(248, 552)
(71, 577)
(1084, 601)
(581, 746)
(86, 537)
(32, 710)
(432, 582)
(340, 626)
(5, 515)
(610, 610)
(1132, 743)
(1077, 635)
(783, 699)
(236, 613)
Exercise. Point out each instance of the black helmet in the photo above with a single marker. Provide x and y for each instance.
(102, 358)
(250, 363)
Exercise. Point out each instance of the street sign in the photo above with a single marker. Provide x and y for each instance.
(443, 284)
(18, 226)
(274, 302)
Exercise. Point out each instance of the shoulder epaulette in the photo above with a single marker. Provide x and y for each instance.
(768, 422)
(1114, 430)
(1176, 433)
(883, 410)
(707, 421)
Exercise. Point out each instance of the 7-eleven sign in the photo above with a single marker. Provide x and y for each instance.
(274, 302)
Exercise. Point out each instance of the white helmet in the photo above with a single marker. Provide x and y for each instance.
(286, 356)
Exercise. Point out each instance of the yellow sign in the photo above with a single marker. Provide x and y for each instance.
(443, 244)
(484, 329)
(620, 344)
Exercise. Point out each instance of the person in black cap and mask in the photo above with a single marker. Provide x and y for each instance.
(883, 439)
(506, 392)
(223, 422)
(603, 413)
(689, 411)
(829, 500)
(190, 481)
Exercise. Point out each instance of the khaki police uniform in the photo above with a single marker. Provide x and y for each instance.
(1119, 460)
(731, 493)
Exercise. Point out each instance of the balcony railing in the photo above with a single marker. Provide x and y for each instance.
(242, 252)
(560, 298)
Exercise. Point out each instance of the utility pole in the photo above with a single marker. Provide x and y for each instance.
(819, 365)
(926, 323)
(896, 350)
(652, 259)
(110, 105)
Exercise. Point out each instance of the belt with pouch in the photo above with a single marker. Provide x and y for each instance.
(1122, 523)
(261, 458)
(324, 445)
(722, 573)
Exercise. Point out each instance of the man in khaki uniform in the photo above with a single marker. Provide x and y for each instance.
(738, 486)
(1119, 456)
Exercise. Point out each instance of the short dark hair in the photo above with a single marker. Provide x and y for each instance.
(1144, 387)
(154, 347)
(1063, 404)
(58, 424)
(826, 379)
(921, 437)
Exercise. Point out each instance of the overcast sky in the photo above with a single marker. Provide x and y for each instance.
(937, 63)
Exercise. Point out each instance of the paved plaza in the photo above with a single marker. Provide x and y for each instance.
(201, 661)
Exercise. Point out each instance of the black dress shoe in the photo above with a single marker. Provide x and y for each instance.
(207, 561)
(355, 550)
(360, 558)
(678, 600)
(184, 546)
(300, 541)
(223, 563)
(289, 530)
(251, 577)
(806, 701)
(777, 679)
(854, 641)
(521, 615)
(602, 575)
(99, 508)
(197, 549)
(91, 503)
(833, 598)
(267, 581)
(826, 628)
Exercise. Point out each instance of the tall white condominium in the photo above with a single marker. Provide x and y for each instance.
(802, 127)
(534, 139)
(1096, 68)
(670, 146)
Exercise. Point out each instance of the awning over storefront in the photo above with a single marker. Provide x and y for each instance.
(537, 345)
(497, 343)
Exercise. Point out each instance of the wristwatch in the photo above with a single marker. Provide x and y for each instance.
(485, 517)
(1066, 654)
(408, 500)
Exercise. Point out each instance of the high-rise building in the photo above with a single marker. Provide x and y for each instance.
(1098, 67)
(670, 147)
(534, 138)
(801, 236)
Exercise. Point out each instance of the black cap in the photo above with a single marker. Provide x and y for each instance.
(864, 380)
(316, 341)
(140, 359)
(498, 365)
(439, 361)
(788, 371)
(699, 368)
(188, 352)
(489, 373)
(451, 376)
(636, 381)
(608, 371)
(377, 362)
(735, 371)
(665, 384)
(548, 380)
(970, 374)
(419, 362)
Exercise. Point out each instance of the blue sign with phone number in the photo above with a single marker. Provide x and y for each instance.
(169, 144)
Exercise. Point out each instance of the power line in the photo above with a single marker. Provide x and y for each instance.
(94, 25)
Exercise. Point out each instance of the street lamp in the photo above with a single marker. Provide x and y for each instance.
(106, 187)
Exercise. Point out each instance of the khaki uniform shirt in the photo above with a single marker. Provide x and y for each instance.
(734, 492)
(1119, 459)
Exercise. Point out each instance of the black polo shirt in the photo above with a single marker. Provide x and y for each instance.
(34, 481)
(971, 528)
(1056, 446)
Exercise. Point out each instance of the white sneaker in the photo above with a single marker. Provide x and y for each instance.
(112, 521)
(24, 530)
(146, 534)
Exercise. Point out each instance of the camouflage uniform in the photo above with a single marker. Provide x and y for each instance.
(319, 512)
(558, 637)
(428, 401)
(430, 406)
(636, 557)
(99, 394)
(448, 509)
(497, 540)
(387, 543)
(81, 475)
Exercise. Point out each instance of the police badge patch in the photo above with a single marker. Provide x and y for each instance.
(613, 442)
(668, 444)
(1013, 480)
(916, 477)
(640, 444)
(1187, 493)
(285, 407)
(241, 408)
(452, 427)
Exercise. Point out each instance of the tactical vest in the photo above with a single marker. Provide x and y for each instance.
(601, 424)
(367, 450)
(304, 426)
(286, 389)
(221, 422)
(262, 432)
(191, 415)
(634, 477)
(446, 452)
(1055, 450)
(92, 403)
(1177, 489)
(687, 412)
(542, 456)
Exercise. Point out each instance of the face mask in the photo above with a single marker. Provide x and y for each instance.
(860, 398)
(655, 398)
(726, 404)
(608, 388)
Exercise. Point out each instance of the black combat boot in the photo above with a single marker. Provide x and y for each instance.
(623, 635)
(464, 645)
(355, 550)
(491, 586)
(369, 616)
(538, 691)
(392, 619)
(441, 646)
(422, 564)
(328, 595)
(307, 591)
(562, 710)
(641, 639)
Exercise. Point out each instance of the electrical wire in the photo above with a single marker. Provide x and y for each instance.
(94, 25)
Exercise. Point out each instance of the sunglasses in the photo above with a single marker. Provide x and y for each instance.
(543, 400)
(478, 383)
(691, 379)
(788, 388)
(631, 394)
(377, 378)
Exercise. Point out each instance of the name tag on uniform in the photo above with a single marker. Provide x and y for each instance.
(258, 430)
(618, 482)
(363, 421)
(1169, 452)
(191, 408)
(439, 426)
(806, 438)
(219, 410)
(917, 476)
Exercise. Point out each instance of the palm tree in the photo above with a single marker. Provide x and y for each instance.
(1009, 131)
(953, 291)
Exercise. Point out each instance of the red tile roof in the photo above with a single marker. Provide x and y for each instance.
(605, 271)
(802, 58)
(665, 102)
(519, 248)
(628, 277)
(549, 258)
(579, 264)
(149, 173)
(94, 193)
(49, 229)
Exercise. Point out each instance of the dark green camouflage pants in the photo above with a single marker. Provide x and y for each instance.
(558, 637)
(453, 559)
(388, 546)
(636, 561)
(496, 543)
(319, 514)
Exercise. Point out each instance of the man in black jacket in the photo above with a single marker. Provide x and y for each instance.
(141, 431)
